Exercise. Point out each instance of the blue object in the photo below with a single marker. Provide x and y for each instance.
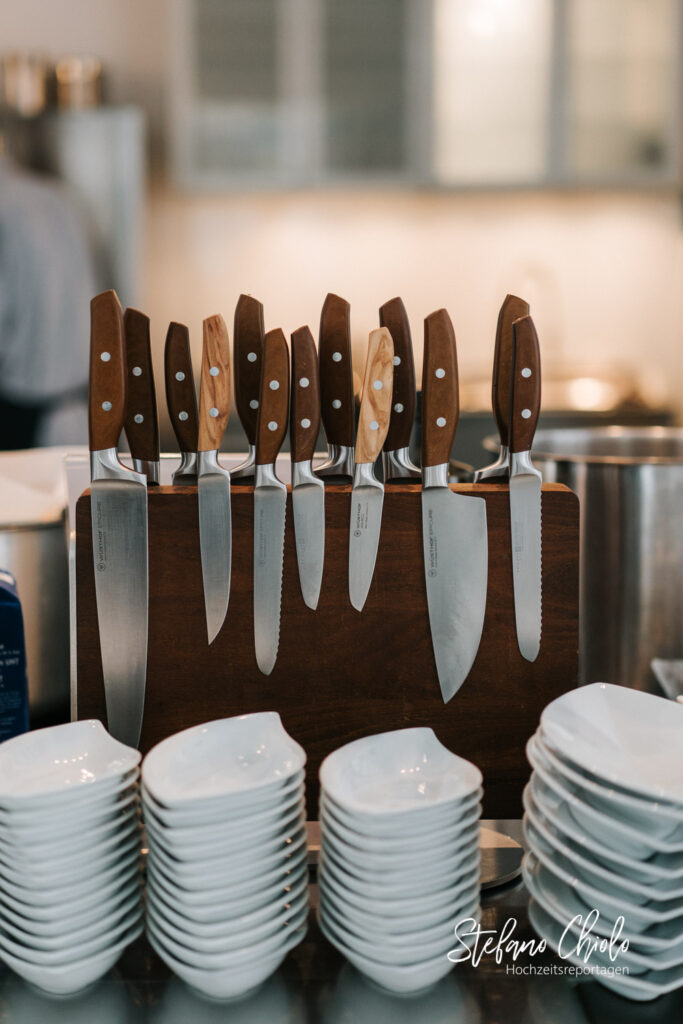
(13, 683)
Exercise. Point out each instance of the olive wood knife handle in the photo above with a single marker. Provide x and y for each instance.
(375, 406)
(214, 398)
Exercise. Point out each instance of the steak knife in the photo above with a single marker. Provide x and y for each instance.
(270, 500)
(215, 528)
(367, 496)
(140, 423)
(525, 487)
(336, 387)
(308, 490)
(512, 308)
(118, 500)
(454, 532)
(396, 459)
(182, 401)
(248, 338)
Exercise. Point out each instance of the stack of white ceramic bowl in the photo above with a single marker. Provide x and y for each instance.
(70, 893)
(399, 866)
(227, 893)
(604, 827)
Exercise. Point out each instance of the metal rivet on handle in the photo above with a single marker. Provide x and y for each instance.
(213, 412)
(105, 357)
(398, 407)
(253, 404)
(440, 373)
(526, 372)
(526, 413)
(252, 357)
(377, 385)
(274, 385)
(137, 371)
(272, 425)
(139, 418)
(441, 421)
(397, 360)
(106, 406)
(180, 375)
(182, 416)
(336, 404)
(305, 424)
(337, 357)
(374, 425)
(304, 382)
(214, 371)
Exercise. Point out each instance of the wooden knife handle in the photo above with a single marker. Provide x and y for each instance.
(375, 406)
(180, 394)
(440, 401)
(393, 316)
(525, 401)
(274, 398)
(107, 394)
(247, 339)
(214, 398)
(141, 425)
(512, 308)
(336, 371)
(305, 412)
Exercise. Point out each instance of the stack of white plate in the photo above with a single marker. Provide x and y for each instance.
(70, 894)
(399, 866)
(227, 893)
(604, 827)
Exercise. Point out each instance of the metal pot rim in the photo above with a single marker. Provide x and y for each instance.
(542, 449)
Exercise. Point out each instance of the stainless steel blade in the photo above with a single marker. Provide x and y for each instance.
(119, 536)
(525, 522)
(456, 566)
(215, 542)
(366, 520)
(308, 502)
(270, 505)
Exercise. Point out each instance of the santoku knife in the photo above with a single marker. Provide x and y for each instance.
(308, 490)
(247, 340)
(453, 525)
(215, 527)
(140, 423)
(118, 500)
(182, 402)
(367, 496)
(525, 487)
(396, 459)
(336, 387)
(270, 500)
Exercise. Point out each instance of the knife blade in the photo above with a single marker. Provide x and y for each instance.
(140, 423)
(118, 500)
(454, 532)
(213, 483)
(525, 487)
(396, 459)
(512, 308)
(182, 401)
(248, 338)
(270, 500)
(308, 490)
(367, 496)
(336, 387)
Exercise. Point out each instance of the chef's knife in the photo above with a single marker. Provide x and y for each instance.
(308, 490)
(118, 500)
(396, 456)
(248, 338)
(215, 529)
(367, 496)
(182, 401)
(140, 423)
(453, 525)
(336, 387)
(525, 487)
(270, 499)
(512, 308)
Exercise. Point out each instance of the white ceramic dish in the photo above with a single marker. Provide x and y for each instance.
(81, 846)
(45, 903)
(33, 840)
(402, 829)
(67, 871)
(69, 916)
(72, 936)
(37, 765)
(72, 951)
(398, 771)
(63, 810)
(625, 737)
(223, 758)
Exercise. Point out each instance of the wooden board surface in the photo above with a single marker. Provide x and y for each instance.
(342, 674)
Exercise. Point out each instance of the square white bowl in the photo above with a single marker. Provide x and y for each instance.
(403, 829)
(64, 810)
(45, 901)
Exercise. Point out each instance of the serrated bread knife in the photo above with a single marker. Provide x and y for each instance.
(181, 401)
(396, 459)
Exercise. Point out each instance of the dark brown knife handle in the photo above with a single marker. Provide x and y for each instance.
(525, 401)
(180, 394)
(305, 412)
(141, 424)
(440, 402)
(512, 309)
(393, 315)
(107, 393)
(248, 338)
(274, 398)
(336, 372)
(214, 397)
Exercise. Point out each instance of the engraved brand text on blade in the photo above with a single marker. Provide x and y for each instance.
(433, 545)
(362, 515)
(101, 538)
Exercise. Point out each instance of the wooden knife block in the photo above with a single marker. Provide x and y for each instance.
(341, 674)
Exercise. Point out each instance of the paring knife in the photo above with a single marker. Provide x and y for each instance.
(396, 459)
(248, 338)
(454, 532)
(215, 527)
(336, 387)
(513, 307)
(118, 500)
(367, 496)
(270, 500)
(182, 401)
(308, 490)
(525, 487)
(140, 423)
